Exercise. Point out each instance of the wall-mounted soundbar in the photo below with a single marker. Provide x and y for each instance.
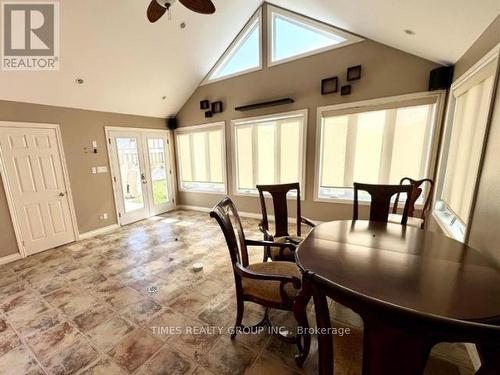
(270, 103)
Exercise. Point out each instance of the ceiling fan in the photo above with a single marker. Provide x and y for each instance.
(157, 8)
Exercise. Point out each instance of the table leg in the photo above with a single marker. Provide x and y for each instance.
(300, 313)
(389, 350)
(324, 325)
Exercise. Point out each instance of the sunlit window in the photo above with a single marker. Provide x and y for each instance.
(244, 55)
(269, 150)
(201, 158)
(377, 145)
(464, 139)
(292, 36)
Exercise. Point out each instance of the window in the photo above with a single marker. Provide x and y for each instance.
(244, 54)
(292, 36)
(376, 142)
(269, 150)
(470, 103)
(201, 158)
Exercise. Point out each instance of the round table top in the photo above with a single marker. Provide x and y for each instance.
(405, 267)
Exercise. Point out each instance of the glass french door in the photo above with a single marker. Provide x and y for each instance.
(142, 173)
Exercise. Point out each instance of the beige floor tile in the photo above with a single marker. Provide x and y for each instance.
(228, 357)
(71, 359)
(106, 335)
(104, 366)
(18, 361)
(143, 311)
(91, 318)
(53, 340)
(135, 349)
(168, 361)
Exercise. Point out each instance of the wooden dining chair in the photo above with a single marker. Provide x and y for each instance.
(381, 196)
(415, 195)
(269, 284)
(282, 231)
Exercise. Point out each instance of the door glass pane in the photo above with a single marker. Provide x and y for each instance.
(158, 166)
(130, 173)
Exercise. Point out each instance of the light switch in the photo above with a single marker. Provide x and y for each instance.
(94, 144)
(102, 169)
(94, 170)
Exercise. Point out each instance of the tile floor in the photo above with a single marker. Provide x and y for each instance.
(97, 307)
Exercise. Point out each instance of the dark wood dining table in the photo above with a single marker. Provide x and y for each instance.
(412, 288)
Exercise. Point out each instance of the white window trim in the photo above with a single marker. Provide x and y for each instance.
(434, 136)
(197, 128)
(445, 144)
(350, 38)
(281, 115)
(241, 38)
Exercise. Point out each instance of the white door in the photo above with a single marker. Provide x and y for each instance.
(141, 170)
(34, 174)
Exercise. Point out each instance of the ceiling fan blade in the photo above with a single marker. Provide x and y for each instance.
(155, 11)
(199, 6)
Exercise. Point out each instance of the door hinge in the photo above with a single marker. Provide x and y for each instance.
(168, 142)
(109, 140)
(119, 214)
(114, 179)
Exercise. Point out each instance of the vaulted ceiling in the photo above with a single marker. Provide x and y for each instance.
(130, 65)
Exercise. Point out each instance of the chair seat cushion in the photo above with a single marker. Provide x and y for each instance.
(269, 290)
(412, 221)
(288, 254)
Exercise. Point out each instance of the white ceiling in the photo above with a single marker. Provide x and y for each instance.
(129, 64)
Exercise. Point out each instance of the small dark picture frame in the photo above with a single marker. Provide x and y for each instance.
(208, 114)
(329, 85)
(217, 107)
(204, 104)
(354, 73)
(345, 90)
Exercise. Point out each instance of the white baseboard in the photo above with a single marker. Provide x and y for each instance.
(10, 258)
(97, 232)
(473, 355)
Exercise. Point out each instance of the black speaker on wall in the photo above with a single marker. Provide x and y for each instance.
(172, 123)
(441, 78)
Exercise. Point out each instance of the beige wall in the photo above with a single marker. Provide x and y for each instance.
(484, 233)
(488, 39)
(92, 194)
(386, 72)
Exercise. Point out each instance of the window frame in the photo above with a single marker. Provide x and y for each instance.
(240, 39)
(277, 116)
(220, 125)
(447, 221)
(434, 134)
(350, 38)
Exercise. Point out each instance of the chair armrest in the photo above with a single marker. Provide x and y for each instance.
(286, 245)
(283, 279)
(267, 235)
(306, 221)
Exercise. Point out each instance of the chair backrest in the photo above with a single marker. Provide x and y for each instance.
(417, 191)
(280, 204)
(227, 216)
(381, 200)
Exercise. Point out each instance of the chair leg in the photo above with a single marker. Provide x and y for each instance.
(266, 254)
(239, 316)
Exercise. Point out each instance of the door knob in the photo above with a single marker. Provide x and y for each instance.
(61, 194)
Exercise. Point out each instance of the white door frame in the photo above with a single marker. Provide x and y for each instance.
(173, 179)
(8, 191)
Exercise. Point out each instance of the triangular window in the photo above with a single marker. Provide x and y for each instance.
(292, 36)
(244, 54)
